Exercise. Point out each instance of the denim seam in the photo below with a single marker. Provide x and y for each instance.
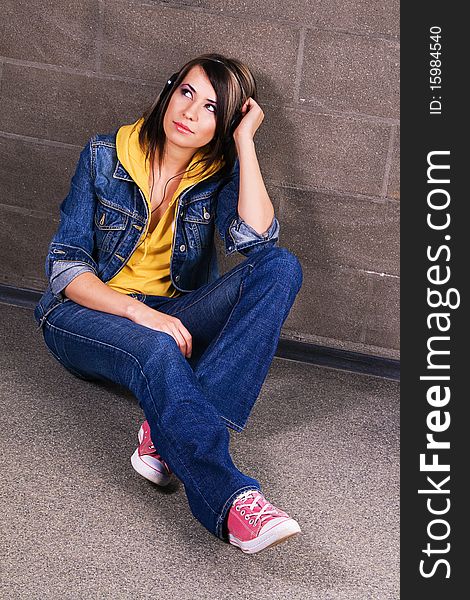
(54, 351)
(43, 318)
(70, 369)
(228, 318)
(70, 246)
(213, 289)
(96, 143)
(239, 427)
(92, 152)
(149, 392)
(69, 260)
(225, 326)
(230, 500)
(250, 243)
(112, 206)
(235, 425)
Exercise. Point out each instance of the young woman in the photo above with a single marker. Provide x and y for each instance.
(135, 295)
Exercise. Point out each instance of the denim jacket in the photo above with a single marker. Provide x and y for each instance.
(105, 213)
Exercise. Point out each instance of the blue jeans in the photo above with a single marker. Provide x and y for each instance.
(235, 323)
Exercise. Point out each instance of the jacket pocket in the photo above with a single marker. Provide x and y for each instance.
(109, 224)
(198, 220)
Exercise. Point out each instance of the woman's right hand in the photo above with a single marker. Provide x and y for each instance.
(149, 317)
(88, 290)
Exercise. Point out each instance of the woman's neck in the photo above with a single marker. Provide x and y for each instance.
(176, 160)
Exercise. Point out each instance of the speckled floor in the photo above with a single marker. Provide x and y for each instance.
(79, 523)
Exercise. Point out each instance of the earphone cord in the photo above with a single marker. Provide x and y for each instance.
(164, 190)
(154, 209)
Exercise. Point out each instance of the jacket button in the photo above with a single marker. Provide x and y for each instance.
(177, 278)
(182, 248)
(207, 215)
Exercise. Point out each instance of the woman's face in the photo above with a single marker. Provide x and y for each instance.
(193, 105)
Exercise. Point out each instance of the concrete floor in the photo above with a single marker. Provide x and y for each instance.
(79, 523)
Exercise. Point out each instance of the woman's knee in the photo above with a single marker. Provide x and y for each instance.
(156, 348)
(282, 264)
(143, 360)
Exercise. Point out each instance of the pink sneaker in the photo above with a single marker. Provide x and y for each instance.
(254, 524)
(146, 460)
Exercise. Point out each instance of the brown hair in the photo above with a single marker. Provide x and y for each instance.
(233, 83)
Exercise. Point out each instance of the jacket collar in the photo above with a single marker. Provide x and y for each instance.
(121, 173)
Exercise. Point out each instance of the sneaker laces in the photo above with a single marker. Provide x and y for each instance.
(258, 511)
(149, 448)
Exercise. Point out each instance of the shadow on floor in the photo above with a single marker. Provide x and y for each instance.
(80, 523)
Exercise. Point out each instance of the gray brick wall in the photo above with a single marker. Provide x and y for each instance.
(328, 147)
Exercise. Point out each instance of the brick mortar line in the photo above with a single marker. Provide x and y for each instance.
(388, 161)
(41, 141)
(73, 71)
(365, 320)
(395, 43)
(249, 18)
(348, 269)
(147, 83)
(332, 191)
(5, 279)
(30, 212)
(383, 274)
(99, 36)
(299, 64)
(321, 110)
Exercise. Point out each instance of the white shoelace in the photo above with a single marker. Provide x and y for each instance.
(268, 510)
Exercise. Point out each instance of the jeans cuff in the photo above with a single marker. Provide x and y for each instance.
(221, 530)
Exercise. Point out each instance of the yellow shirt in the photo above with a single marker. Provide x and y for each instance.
(148, 268)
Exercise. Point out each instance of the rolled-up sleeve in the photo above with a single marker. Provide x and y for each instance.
(71, 250)
(64, 273)
(244, 237)
(237, 234)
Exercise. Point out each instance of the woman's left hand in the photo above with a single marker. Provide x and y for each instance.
(252, 118)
